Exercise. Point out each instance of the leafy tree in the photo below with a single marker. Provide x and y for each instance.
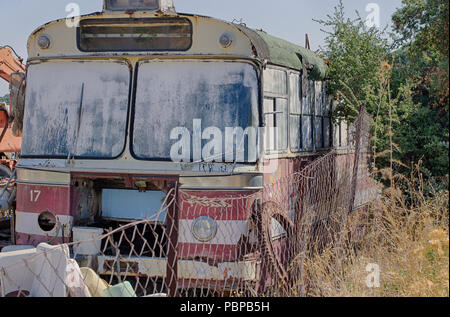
(423, 25)
(400, 84)
(421, 32)
(360, 72)
(354, 54)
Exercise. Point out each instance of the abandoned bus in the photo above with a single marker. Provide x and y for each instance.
(164, 131)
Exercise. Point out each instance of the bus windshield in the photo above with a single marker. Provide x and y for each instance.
(198, 98)
(76, 109)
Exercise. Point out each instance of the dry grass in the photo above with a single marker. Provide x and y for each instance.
(406, 235)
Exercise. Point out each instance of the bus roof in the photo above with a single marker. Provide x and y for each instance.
(251, 42)
(282, 52)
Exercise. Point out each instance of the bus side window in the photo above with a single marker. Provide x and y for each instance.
(318, 115)
(276, 109)
(322, 113)
(307, 114)
(295, 112)
(275, 82)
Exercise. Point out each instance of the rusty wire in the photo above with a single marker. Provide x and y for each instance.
(260, 248)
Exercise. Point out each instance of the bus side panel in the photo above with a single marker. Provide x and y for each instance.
(32, 202)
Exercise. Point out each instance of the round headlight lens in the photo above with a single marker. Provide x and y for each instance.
(47, 221)
(225, 40)
(204, 228)
(43, 41)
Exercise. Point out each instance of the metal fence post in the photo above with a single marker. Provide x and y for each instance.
(172, 224)
(353, 185)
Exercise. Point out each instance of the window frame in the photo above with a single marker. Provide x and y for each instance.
(325, 113)
(127, 125)
(276, 96)
(327, 137)
(135, 87)
(297, 76)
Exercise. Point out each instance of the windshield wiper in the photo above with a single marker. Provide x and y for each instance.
(71, 156)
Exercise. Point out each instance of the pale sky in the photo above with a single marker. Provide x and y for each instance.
(288, 19)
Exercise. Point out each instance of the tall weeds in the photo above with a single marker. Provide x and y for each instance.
(405, 236)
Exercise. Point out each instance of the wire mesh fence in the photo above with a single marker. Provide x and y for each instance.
(239, 244)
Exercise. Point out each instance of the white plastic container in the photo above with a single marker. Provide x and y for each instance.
(87, 240)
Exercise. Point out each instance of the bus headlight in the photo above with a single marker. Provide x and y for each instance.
(225, 40)
(204, 228)
(43, 42)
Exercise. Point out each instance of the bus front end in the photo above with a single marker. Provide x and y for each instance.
(143, 127)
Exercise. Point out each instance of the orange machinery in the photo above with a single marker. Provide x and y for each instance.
(9, 143)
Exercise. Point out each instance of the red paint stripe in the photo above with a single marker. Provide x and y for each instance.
(218, 252)
(38, 198)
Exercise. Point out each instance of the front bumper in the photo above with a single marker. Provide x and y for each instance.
(187, 269)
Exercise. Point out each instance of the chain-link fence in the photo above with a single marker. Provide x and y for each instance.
(211, 244)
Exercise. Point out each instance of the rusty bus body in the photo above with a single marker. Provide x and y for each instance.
(101, 102)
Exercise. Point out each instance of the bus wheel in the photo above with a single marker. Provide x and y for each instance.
(275, 234)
